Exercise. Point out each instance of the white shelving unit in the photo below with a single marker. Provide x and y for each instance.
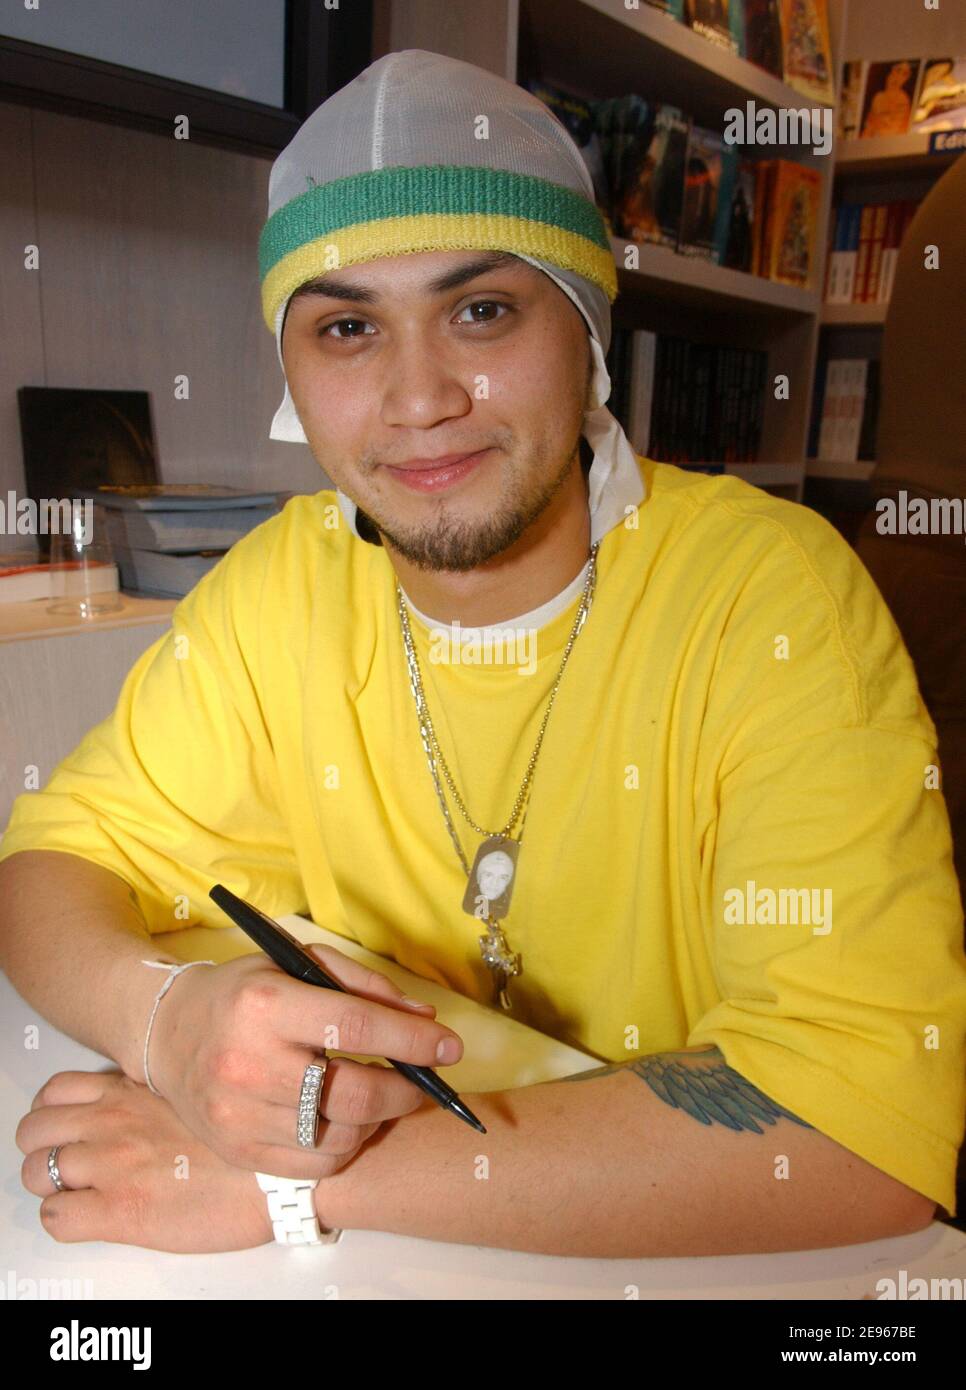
(602, 48)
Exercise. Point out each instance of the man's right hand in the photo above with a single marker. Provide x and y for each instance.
(231, 1042)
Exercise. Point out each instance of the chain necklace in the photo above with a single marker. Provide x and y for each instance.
(490, 882)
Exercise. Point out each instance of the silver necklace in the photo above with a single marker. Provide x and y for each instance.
(489, 884)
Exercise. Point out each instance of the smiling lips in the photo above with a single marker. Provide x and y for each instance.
(420, 465)
(430, 475)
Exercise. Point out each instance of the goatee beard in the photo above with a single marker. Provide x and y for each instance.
(460, 546)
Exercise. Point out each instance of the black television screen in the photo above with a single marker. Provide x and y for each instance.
(245, 73)
(232, 46)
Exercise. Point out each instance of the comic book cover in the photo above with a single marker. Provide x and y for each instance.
(647, 205)
(807, 51)
(789, 256)
(702, 185)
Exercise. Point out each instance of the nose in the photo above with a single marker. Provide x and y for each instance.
(422, 387)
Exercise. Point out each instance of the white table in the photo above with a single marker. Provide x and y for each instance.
(372, 1265)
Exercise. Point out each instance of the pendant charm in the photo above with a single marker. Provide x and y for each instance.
(490, 884)
(501, 961)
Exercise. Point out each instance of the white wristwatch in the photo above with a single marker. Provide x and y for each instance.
(292, 1211)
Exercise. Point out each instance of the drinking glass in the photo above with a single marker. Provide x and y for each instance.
(83, 574)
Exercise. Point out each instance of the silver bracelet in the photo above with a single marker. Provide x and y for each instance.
(175, 971)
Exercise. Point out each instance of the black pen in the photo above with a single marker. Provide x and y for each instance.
(296, 961)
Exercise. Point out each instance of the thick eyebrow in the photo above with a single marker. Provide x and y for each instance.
(333, 288)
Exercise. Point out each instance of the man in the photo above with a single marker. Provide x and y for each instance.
(730, 875)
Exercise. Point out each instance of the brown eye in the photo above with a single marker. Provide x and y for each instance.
(339, 323)
(486, 304)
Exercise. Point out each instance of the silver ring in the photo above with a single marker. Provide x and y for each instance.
(308, 1114)
(54, 1171)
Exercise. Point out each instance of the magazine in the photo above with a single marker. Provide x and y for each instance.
(941, 103)
(887, 104)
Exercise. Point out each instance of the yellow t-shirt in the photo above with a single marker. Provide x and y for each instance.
(738, 720)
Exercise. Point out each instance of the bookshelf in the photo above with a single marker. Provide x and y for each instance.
(883, 169)
(604, 48)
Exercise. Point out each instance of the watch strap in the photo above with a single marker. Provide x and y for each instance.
(291, 1208)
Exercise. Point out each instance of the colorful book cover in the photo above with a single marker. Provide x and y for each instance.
(648, 203)
(623, 125)
(807, 50)
(717, 20)
(790, 250)
(887, 104)
(702, 187)
(854, 76)
(941, 103)
(674, 9)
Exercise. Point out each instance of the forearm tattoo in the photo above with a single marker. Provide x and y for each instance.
(704, 1086)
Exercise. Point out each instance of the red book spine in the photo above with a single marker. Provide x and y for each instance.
(862, 261)
(875, 251)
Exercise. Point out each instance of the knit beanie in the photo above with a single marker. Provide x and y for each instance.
(422, 152)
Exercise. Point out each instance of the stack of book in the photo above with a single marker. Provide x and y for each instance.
(687, 403)
(661, 179)
(863, 249)
(165, 537)
(788, 38)
(846, 410)
(25, 576)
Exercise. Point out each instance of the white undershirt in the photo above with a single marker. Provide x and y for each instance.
(535, 619)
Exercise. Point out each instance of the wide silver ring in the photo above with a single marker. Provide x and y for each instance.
(313, 1079)
(54, 1171)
